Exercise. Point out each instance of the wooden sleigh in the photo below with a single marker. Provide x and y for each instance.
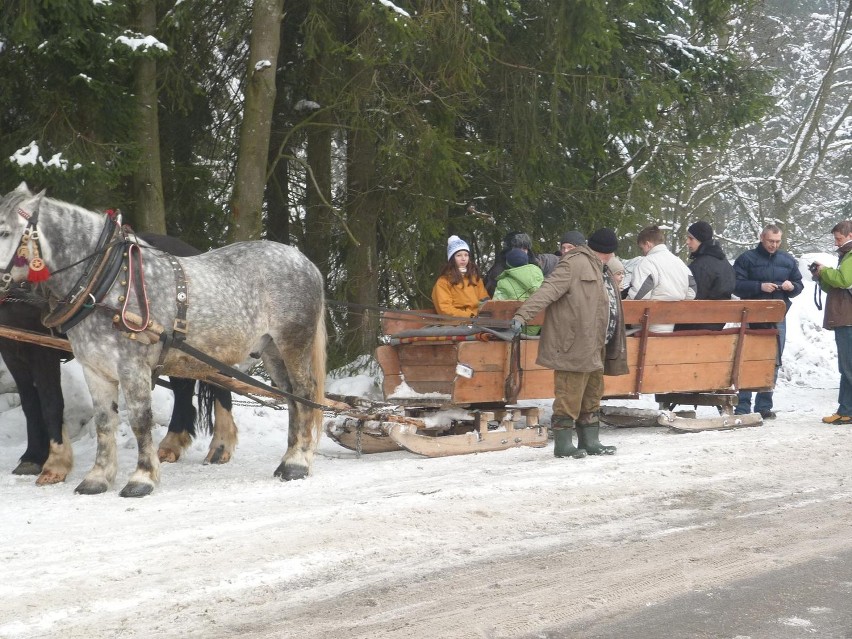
(476, 384)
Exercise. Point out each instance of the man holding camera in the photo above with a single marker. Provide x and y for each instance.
(836, 283)
(766, 273)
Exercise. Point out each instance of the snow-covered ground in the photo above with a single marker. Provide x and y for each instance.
(227, 550)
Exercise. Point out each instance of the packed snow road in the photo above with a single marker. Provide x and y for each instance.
(506, 544)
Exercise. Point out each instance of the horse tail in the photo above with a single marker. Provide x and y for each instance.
(318, 362)
(206, 397)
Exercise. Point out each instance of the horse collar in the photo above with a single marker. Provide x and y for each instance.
(93, 284)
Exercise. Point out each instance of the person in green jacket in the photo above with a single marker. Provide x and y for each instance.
(520, 280)
(837, 284)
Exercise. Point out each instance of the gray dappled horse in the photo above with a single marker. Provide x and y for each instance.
(249, 297)
(36, 371)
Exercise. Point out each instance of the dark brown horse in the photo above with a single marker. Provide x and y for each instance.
(36, 372)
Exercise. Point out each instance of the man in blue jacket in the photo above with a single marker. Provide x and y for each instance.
(766, 273)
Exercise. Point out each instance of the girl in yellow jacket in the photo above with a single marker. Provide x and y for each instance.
(459, 290)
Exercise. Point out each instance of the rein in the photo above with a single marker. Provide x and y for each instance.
(479, 320)
(119, 254)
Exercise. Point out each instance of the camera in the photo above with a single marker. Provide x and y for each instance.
(813, 267)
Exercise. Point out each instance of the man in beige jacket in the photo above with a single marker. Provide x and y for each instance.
(582, 335)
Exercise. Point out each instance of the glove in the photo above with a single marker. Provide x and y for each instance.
(516, 325)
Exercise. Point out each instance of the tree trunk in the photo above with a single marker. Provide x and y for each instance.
(319, 217)
(149, 209)
(278, 200)
(247, 199)
(362, 213)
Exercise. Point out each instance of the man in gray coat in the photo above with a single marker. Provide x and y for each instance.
(582, 337)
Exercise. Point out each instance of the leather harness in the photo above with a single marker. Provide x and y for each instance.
(117, 253)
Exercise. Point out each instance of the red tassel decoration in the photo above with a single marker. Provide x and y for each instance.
(38, 269)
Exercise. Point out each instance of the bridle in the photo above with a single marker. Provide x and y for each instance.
(21, 257)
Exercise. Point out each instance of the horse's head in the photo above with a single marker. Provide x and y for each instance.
(16, 209)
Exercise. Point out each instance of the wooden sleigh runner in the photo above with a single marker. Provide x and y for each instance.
(475, 383)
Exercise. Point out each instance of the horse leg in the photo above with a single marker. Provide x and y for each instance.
(47, 373)
(35, 455)
(137, 395)
(105, 402)
(58, 463)
(182, 424)
(297, 461)
(38, 443)
(224, 440)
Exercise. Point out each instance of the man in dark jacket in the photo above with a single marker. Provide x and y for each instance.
(714, 275)
(837, 284)
(766, 273)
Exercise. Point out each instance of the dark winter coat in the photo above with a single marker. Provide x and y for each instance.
(714, 278)
(713, 274)
(548, 262)
(836, 282)
(757, 266)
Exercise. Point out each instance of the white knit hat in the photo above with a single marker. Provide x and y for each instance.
(454, 245)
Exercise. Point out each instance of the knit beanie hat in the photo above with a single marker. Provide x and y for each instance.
(517, 257)
(454, 245)
(603, 241)
(701, 231)
(573, 237)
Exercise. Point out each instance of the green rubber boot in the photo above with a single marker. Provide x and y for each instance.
(563, 445)
(587, 436)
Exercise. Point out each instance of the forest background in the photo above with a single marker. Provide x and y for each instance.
(364, 132)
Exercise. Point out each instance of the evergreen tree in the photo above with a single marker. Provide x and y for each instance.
(65, 111)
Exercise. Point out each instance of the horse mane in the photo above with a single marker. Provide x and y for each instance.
(169, 244)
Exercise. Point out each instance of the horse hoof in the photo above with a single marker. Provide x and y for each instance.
(167, 456)
(288, 473)
(136, 489)
(48, 479)
(27, 468)
(217, 456)
(89, 487)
